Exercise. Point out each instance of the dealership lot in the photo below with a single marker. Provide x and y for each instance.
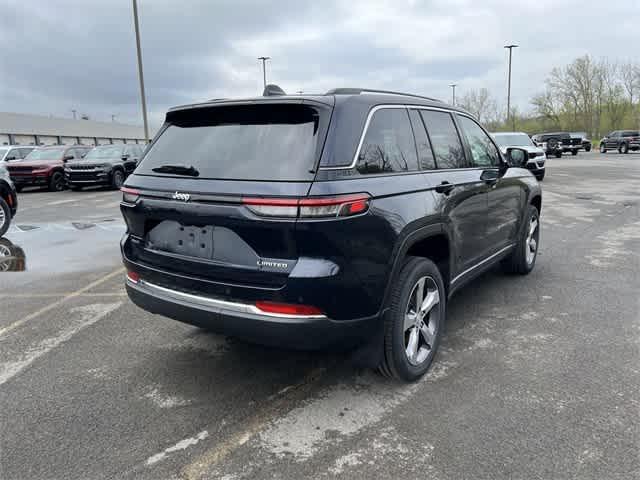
(537, 377)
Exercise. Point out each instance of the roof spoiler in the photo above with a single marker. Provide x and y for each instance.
(272, 90)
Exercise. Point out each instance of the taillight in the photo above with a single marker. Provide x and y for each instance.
(133, 277)
(288, 309)
(313, 207)
(129, 195)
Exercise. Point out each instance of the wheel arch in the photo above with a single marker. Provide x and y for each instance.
(536, 201)
(432, 242)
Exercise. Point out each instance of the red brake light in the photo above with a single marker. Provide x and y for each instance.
(133, 277)
(313, 207)
(129, 195)
(288, 308)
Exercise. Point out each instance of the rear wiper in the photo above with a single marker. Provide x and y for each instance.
(189, 170)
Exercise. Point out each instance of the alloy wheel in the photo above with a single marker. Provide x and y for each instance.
(531, 244)
(422, 321)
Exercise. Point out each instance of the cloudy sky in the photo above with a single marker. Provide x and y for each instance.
(60, 55)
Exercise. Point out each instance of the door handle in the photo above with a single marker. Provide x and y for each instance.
(445, 187)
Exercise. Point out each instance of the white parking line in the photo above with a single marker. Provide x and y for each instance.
(53, 305)
(181, 445)
(89, 314)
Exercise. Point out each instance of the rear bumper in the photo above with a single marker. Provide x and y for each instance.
(242, 320)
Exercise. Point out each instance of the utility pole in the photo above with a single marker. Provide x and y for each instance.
(74, 113)
(140, 74)
(510, 47)
(264, 69)
(453, 93)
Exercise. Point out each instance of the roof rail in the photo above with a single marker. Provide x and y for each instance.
(359, 91)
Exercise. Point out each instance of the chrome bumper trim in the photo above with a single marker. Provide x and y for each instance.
(222, 305)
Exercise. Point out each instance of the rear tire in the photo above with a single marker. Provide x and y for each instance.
(5, 217)
(523, 258)
(624, 148)
(414, 322)
(56, 182)
(587, 147)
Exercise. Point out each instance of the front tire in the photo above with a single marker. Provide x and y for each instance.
(117, 179)
(523, 258)
(603, 148)
(414, 322)
(624, 148)
(587, 147)
(56, 182)
(5, 217)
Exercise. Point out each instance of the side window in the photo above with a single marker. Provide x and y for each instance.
(25, 151)
(425, 154)
(15, 153)
(388, 145)
(444, 139)
(483, 152)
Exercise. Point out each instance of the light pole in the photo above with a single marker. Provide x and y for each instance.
(264, 69)
(140, 74)
(453, 93)
(74, 113)
(510, 47)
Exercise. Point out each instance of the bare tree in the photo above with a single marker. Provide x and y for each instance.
(479, 103)
(630, 76)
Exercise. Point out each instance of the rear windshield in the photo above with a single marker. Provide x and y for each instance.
(242, 142)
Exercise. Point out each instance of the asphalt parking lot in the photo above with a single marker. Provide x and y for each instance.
(537, 376)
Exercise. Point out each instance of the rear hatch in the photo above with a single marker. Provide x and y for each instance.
(202, 203)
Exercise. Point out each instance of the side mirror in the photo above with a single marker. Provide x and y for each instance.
(517, 157)
(67, 157)
(12, 157)
(125, 156)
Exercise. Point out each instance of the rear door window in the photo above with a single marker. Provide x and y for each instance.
(388, 145)
(242, 142)
(444, 139)
(425, 154)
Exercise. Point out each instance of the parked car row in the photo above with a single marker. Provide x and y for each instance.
(74, 166)
(557, 143)
(621, 140)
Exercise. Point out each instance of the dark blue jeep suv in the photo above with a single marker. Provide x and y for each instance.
(310, 221)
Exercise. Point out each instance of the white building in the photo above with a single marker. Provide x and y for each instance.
(23, 129)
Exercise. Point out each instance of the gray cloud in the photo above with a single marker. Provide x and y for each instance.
(67, 54)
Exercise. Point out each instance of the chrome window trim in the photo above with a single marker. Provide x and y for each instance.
(234, 307)
(480, 263)
(390, 106)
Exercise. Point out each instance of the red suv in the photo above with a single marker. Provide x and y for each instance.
(45, 166)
